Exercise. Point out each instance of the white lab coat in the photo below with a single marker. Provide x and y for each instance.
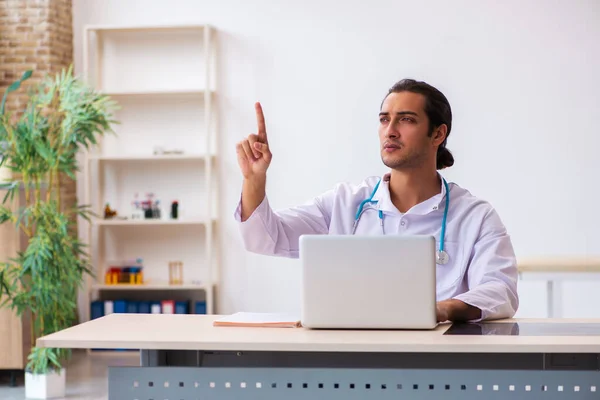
(481, 271)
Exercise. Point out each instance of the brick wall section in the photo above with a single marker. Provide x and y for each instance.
(37, 35)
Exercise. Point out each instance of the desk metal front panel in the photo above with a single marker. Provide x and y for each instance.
(193, 383)
(366, 360)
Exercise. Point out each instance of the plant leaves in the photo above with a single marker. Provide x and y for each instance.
(62, 116)
(5, 214)
(4, 288)
(26, 75)
(11, 188)
(14, 86)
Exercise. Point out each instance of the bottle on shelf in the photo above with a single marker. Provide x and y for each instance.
(136, 208)
(175, 210)
(156, 209)
(148, 206)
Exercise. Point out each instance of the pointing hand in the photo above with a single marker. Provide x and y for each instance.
(253, 153)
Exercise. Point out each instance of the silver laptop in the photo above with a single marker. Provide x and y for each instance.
(368, 282)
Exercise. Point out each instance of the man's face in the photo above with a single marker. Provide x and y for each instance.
(403, 128)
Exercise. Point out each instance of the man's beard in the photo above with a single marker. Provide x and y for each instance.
(406, 161)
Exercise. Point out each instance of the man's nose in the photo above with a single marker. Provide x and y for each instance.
(391, 131)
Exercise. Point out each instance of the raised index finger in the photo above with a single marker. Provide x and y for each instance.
(260, 119)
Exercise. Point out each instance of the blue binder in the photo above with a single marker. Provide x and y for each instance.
(144, 307)
(200, 307)
(132, 307)
(96, 309)
(181, 307)
(120, 306)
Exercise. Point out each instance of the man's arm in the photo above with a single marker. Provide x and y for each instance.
(254, 158)
(253, 193)
(492, 276)
(263, 230)
(277, 233)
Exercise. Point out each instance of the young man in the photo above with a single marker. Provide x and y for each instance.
(476, 273)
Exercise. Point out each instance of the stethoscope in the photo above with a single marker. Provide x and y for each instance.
(441, 255)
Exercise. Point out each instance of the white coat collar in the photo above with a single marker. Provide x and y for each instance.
(384, 201)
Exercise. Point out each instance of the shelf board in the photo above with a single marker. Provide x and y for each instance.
(148, 157)
(149, 286)
(146, 222)
(145, 28)
(172, 92)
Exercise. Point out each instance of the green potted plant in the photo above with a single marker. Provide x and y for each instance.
(62, 116)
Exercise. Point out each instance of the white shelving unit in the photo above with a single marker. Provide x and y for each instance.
(164, 79)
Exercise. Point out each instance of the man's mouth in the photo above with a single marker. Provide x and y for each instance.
(390, 147)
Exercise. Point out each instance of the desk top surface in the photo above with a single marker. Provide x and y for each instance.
(196, 332)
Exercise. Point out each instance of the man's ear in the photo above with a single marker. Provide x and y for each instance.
(439, 134)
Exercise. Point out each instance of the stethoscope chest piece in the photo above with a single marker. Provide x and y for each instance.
(442, 257)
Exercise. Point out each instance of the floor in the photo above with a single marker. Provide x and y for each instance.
(87, 376)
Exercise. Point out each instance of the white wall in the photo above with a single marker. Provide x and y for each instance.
(521, 77)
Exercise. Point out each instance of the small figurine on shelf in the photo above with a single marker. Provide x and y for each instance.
(175, 272)
(109, 212)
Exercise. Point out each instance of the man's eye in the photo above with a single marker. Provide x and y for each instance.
(382, 120)
(407, 119)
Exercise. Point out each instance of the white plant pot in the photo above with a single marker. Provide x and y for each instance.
(45, 386)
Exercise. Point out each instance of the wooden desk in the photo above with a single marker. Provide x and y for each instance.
(555, 270)
(185, 357)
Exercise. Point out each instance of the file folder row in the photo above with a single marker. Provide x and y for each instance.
(100, 308)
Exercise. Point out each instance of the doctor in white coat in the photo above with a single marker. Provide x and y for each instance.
(476, 265)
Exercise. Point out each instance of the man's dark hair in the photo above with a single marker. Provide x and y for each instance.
(438, 112)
